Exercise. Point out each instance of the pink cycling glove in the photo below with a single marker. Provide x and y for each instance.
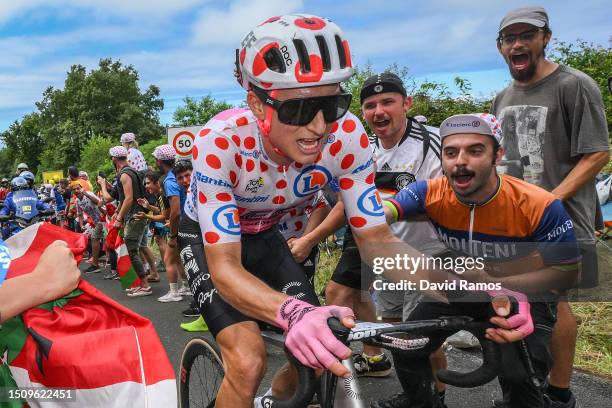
(309, 338)
(520, 321)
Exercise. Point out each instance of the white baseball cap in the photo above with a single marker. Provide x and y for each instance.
(481, 123)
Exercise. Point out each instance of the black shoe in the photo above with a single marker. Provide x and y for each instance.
(555, 403)
(92, 269)
(191, 312)
(366, 367)
(400, 400)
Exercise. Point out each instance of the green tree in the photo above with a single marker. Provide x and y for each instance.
(6, 166)
(593, 60)
(198, 112)
(105, 102)
(95, 156)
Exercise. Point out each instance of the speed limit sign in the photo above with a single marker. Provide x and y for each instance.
(183, 142)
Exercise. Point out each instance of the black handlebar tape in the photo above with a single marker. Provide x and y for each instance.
(491, 359)
(4, 218)
(307, 384)
(338, 329)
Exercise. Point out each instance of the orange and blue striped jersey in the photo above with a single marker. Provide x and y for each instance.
(519, 219)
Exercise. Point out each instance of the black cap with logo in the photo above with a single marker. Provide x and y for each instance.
(380, 83)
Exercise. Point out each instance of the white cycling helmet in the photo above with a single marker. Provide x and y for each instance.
(293, 51)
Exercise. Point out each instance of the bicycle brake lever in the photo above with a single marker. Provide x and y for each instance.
(338, 329)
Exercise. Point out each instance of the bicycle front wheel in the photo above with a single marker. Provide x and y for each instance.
(201, 374)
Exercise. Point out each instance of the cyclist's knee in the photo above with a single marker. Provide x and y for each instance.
(337, 294)
(244, 371)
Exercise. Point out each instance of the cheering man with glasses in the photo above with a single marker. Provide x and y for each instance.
(560, 131)
(253, 166)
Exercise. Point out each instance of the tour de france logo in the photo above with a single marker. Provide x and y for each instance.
(226, 219)
(310, 180)
(369, 202)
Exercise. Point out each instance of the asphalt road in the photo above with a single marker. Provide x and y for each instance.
(592, 392)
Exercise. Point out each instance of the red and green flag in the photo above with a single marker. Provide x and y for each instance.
(127, 274)
(85, 341)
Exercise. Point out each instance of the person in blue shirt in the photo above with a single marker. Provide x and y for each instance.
(165, 156)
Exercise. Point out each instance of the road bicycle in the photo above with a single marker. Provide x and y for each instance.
(201, 370)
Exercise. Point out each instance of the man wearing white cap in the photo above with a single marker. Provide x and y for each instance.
(506, 222)
(164, 157)
(559, 141)
(135, 157)
(129, 190)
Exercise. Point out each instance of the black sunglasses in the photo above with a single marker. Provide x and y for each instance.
(301, 111)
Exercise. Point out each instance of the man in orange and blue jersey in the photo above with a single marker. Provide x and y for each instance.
(521, 232)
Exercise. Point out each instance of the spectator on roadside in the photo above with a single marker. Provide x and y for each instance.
(135, 157)
(129, 190)
(164, 156)
(88, 204)
(74, 175)
(561, 126)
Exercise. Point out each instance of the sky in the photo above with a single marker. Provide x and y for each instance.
(186, 47)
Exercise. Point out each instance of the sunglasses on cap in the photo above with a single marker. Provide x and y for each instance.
(301, 111)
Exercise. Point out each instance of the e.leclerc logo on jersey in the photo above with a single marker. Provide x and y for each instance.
(310, 180)
(369, 202)
(226, 219)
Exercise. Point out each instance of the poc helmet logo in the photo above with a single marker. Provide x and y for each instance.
(227, 220)
(369, 202)
(311, 180)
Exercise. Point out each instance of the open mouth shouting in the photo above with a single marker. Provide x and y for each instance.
(463, 179)
(311, 145)
(520, 61)
(380, 124)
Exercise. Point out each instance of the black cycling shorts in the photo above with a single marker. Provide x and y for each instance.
(265, 255)
(351, 271)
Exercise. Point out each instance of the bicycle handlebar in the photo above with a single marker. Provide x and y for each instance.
(381, 334)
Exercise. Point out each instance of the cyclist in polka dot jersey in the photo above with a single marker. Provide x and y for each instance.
(253, 166)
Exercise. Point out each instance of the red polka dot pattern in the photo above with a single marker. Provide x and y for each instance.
(358, 222)
(221, 143)
(281, 184)
(259, 64)
(250, 165)
(213, 161)
(346, 183)
(236, 140)
(211, 237)
(364, 141)
(224, 197)
(370, 178)
(334, 127)
(201, 198)
(204, 132)
(347, 161)
(238, 160)
(249, 142)
(242, 121)
(278, 200)
(298, 225)
(233, 177)
(335, 147)
(194, 152)
(263, 166)
(349, 125)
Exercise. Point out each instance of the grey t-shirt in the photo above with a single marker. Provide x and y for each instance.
(547, 127)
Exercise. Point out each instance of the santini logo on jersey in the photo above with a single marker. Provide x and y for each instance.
(369, 202)
(226, 219)
(209, 180)
(310, 180)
